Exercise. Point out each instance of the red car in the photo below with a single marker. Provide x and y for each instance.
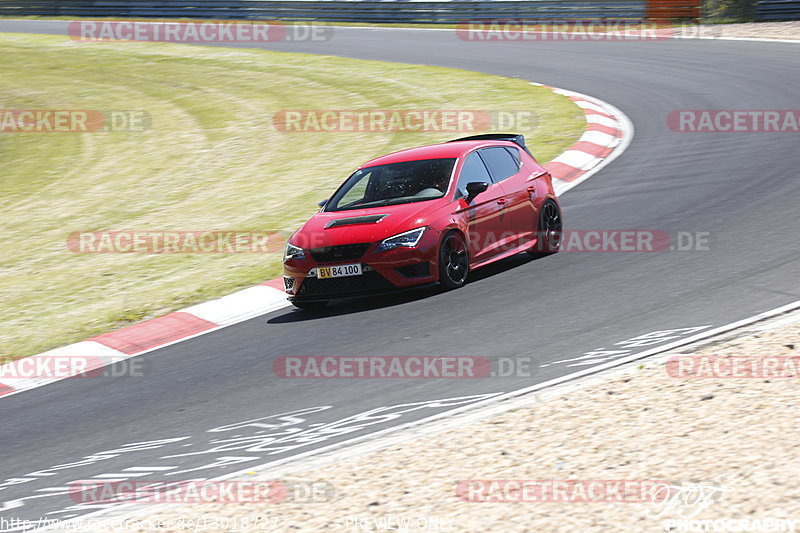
(424, 216)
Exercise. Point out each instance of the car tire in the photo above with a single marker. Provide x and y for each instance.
(310, 306)
(453, 261)
(548, 235)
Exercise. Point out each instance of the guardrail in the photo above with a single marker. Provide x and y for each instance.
(452, 11)
(778, 10)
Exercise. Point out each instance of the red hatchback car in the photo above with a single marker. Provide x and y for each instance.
(424, 216)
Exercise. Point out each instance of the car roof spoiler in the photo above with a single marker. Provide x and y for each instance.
(515, 138)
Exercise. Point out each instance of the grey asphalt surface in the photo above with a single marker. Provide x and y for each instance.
(742, 188)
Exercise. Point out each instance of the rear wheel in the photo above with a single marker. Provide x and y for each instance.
(548, 238)
(453, 261)
(310, 306)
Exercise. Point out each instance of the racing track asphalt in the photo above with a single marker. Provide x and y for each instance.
(743, 188)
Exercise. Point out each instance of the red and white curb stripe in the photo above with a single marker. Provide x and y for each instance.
(135, 340)
(607, 134)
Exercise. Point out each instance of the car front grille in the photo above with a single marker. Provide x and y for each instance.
(368, 281)
(344, 252)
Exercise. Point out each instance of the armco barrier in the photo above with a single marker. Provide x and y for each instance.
(778, 10)
(444, 11)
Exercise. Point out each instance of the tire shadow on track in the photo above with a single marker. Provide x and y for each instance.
(346, 306)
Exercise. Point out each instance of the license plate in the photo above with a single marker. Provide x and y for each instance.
(339, 271)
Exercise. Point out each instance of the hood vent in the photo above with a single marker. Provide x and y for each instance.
(368, 219)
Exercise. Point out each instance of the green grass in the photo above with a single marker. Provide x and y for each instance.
(211, 160)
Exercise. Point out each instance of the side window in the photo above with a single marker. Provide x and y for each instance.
(515, 154)
(472, 170)
(500, 162)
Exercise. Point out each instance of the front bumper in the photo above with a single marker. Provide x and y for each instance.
(384, 272)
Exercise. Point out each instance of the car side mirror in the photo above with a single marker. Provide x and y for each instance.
(474, 188)
(322, 203)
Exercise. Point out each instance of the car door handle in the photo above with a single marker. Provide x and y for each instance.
(502, 201)
(532, 189)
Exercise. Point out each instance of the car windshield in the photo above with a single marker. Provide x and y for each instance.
(395, 183)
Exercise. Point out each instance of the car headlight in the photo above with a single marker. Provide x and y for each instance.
(408, 239)
(293, 252)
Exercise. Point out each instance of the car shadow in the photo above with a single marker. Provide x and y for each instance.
(345, 306)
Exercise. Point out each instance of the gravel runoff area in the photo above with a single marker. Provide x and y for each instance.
(755, 30)
(727, 447)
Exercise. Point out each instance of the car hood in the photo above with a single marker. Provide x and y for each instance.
(328, 228)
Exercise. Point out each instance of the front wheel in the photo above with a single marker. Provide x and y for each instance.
(453, 261)
(548, 238)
